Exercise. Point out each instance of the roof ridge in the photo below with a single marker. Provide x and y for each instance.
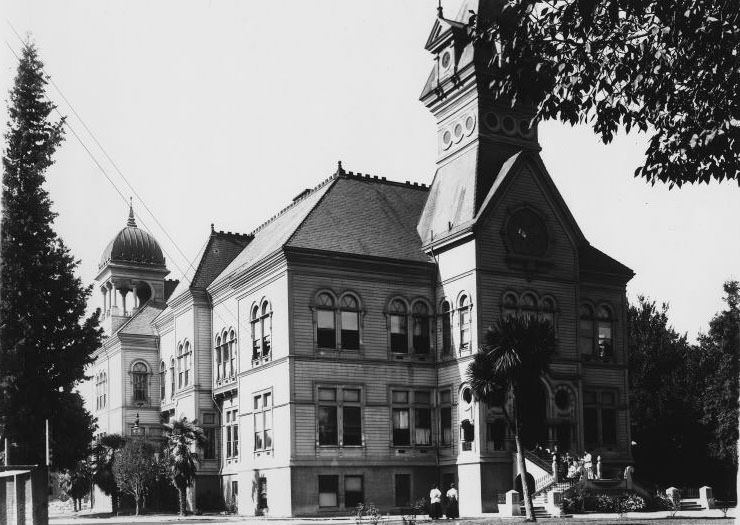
(301, 197)
(383, 180)
(229, 234)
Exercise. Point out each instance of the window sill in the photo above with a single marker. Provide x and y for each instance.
(261, 360)
(263, 452)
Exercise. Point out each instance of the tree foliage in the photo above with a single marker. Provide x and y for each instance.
(516, 352)
(76, 483)
(183, 439)
(103, 456)
(45, 339)
(135, 469)
(669, 68)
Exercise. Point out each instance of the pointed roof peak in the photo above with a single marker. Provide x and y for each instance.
(131, 221)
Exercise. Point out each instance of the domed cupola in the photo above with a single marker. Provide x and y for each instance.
(133, 245)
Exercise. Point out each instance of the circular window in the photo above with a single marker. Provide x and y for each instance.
(526, 233)
(562, 400)
(467, 395)
(492, 121)
(447, 139)
(470, 124)
(525, 130)
(458, 130)
(509, 125)
(446, 59)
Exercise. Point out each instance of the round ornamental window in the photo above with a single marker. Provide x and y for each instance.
(509, 125)
(457, 131)
(562, 400)
(467, 395)
(470, 124)
(492, 121)
(525, 130)
(447, 138)
(526, 233)
(446, 58)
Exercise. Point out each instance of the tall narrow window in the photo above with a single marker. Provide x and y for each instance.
(445, 417)
(420, 316)
(401, 418)
(586, 331)
(528, 305)
(139, 379)
(180, 368)
(351, 417)
(402, 490)
(548, 311)
(398, 321)
(232, 433)
(209, 430)
(219, 376)
(328, 425)
(162, 379)
(464, 310)
(188, 358)
(256, 334)
(606, 348)
(350, 319)
(263, 421)
(326, 336)
(266, 322)
(497, 434)
(353, 493)
(446, 329)
(172, 377)
(232, 354)
(422, 418)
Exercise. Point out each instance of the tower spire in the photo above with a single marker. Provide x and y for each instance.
(131, 220)
(439, 9)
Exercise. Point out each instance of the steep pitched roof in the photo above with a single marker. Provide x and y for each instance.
(368, 217)
(594, 260)
(141, 322)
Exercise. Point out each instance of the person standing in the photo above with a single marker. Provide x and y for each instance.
(435, 503)
(588, 465)
(453, 510)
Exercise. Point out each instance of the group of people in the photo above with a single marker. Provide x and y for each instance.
(579, 468)
(451, 511)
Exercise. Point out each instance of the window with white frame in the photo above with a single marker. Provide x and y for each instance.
(464, 307)
(226, 364)
(261, 321)
(339, 415)
(209, 425)
(172, 377)
(162, 380)
(398, 318)
(101, 386)
(231, 424)
(411, 417)
(184, 358)
(605, 322)
(349, 319)
(262, 412)
(139, 380)
(326, 330)
(596, 332)
(446, 328)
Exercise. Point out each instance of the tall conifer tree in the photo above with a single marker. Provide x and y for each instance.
(45, 339)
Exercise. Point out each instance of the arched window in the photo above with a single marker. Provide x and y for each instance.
(605, 321)
(219, 374)
(261, 333)
(586, 330)
(100, 390)
(232, 353)
(188, 360)
(172, 377)
(446, 328)
(180, 366)
(420, 318)
(139, 374)
(510, 306)
(528, 305)
(465, 317)
(162, 379)
(548, 310)
(398, 325)
(326, 335)
(350, 322)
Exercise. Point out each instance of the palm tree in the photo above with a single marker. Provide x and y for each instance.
(516, 352)
(183, 439)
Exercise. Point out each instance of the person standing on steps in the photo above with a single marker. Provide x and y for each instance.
(435, 503)
(453, 510)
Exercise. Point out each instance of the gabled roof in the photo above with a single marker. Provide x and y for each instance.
(141, 322)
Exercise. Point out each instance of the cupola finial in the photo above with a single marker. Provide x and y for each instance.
(131, 221)
(340, 170)
(439, 9)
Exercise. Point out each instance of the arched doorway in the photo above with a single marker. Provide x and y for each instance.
(518, 484)
(533, 404)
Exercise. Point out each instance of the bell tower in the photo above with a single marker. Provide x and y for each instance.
(476, 134)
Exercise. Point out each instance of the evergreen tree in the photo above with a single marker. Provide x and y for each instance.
(45, 339)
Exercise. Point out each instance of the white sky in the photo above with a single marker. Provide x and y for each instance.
(223, 111)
